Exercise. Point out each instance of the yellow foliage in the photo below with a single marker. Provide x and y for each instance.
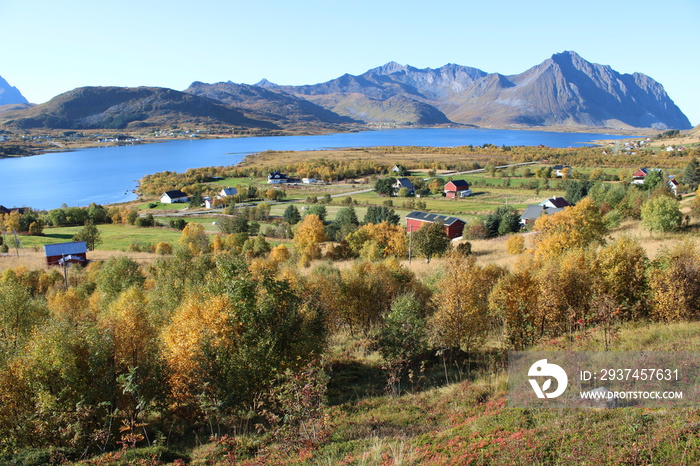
(194, 238)
(308, 235)
(196, 320)
(575, 227)
(515, 244)
(67, 305)
(279, 253)
(462, 302)
(134, 336)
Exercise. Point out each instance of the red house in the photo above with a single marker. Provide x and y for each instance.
(453, 226)
(457, 188)
(66, 253)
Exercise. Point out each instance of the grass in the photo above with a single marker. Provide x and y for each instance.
(115, 237)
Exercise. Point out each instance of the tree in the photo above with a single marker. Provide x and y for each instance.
(308, 236)
(384, 186)
(194, 238)
(577, 190)
(502, 221)
(661, 213)
(461, 318)
(291, 215)
(319, 210)
(90, 234)
(346, 216)
(379, 214)
(575, 227)
(675, 284)
(691, 174)
(515, 244)
(431, 240)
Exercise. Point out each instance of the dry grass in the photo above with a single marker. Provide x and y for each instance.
(35, 259)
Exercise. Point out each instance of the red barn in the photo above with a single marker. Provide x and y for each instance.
(66, 253)
(453, 225)
(457, 188)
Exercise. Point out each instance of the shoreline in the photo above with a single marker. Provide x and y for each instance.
(37, 145)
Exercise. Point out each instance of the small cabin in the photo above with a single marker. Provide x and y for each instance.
(66, 253)
(457, 188)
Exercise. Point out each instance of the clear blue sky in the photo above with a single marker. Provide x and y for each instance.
(50, 47)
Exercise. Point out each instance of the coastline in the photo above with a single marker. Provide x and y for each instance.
(43, 142)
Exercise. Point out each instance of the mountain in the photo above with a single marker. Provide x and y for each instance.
(564, 90)
(267, 104)
(10, 95)
(120, 107)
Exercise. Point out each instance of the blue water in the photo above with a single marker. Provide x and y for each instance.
(108, 175)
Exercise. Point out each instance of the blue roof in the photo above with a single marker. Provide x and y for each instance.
(77, 247)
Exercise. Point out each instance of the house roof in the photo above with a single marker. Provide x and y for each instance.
(560, 167)
(277, 176)
(229, 191)
(534, 211)
(174, 194)
(558, 202)
(459, 184)
(60, 249)
(404, 183)
(426, 217)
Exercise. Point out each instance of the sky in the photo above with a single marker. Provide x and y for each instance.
(50, 47)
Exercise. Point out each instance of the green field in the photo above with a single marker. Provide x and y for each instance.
(114, 237)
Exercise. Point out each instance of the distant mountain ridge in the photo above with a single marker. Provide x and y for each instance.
(564, 90)
(10, 95)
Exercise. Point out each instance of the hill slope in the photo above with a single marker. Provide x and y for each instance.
(267, 104)
(118, 107)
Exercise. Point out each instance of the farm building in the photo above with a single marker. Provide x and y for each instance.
(457, 188)
(174, 196)
(453, 225)
(66, 253)
(403, 183)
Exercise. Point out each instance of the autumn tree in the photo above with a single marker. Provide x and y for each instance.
(308, 236)
(576, 227)
(622, 269)
(431, 240)
(194, 239)
(675, 284)
(461, 317)
(514, 300)
(661, 213)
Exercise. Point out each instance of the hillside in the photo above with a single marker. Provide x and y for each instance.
(267, 104)
(118, 108)
(564, 90)
(10, 94)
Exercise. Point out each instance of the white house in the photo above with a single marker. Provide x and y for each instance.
(172, 197)
(228, 192)
(277, 178)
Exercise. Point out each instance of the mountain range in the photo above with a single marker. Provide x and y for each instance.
(564, 90)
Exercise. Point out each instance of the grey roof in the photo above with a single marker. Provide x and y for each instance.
(426, 217)
(78, 247)
(533, 211)
(230, 191)
(405, 183)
